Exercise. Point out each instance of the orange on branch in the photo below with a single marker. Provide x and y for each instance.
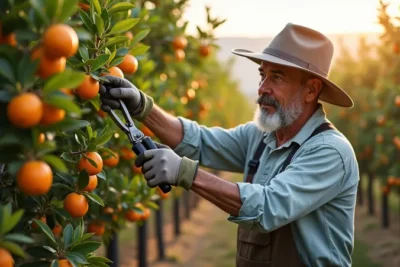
(9, 39)
(57, 229)
(111, 160)
(51, 114)
(379, 138)
(129, 64)
(48, 66)
(84, 6)
(391, 181)
(92, 184)
(146, 214)
(114, 71)
(146, 131)
(41, 138)
(25, 110)
(88, 89)
(205, 50)
(64, 263)
(133, 216)
(6, 260)
(127, 153)
(35, 178)
(397, 101)
(84, 163)
(97, 227)
(60, 40)
(136, 170)
(179, 55)
(76, 205)
(179, 42)
(129, 35)
(34, 225)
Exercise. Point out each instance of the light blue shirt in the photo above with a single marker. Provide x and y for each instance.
(316, 192)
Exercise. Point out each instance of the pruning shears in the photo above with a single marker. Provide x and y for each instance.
(140, 142)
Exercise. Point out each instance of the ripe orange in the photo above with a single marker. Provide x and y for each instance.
(133, 216)
(397, 101)
(391, 181)
(6, 260)
(64, 263)
(205, 50)
(386, 190)
(60, 40)
(92, 184)
(67, 91)
(127, 153)
(35, 178)
(129, 35)
(97, 227)
(84, 6)
(85, 164)
(146, 131)
(76, 205)
(179, 42)
(108, 210)
(41, 138)
(129, 64)
(179, 55)
(51, 114)
(101, 113)
(111, 161)
(381, 120)
(34, 225)
(162, 194)
(396, 142)
(48, 66)
(9, 39)
(57, 229)
(136, 170)
(88, 89)
(114, 71)
(396, 48)
(146, 214)
(25, 110)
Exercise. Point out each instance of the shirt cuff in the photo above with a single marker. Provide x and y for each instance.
(190, 144)
(251, 212)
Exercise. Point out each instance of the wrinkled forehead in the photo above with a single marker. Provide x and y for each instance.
(267, 67)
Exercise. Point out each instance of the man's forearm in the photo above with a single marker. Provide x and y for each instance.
(222, 193)
(165, 126)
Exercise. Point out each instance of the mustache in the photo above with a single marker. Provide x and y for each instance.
(267, 100)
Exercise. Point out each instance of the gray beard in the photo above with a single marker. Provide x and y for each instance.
(281, 118)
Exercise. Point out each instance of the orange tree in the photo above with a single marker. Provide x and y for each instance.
(67, 172)
(372, 78)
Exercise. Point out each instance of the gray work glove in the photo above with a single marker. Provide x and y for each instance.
(138, 104)
(164, 166)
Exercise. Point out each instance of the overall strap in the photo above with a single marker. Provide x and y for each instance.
(254, 163)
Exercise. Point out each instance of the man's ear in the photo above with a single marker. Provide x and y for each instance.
(313, 89)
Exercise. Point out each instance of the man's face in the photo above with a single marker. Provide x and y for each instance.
(280, 100)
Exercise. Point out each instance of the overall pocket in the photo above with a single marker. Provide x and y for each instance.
(254, 247)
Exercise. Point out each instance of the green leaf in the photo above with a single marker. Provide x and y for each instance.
(95, 198)
(5, 96)
(6, 70)
(68, 235)
(83, 179)
(101, 140)
(51, 8)
(46, 230)
(99, 62)
(89, 131)
(13, 248)
(99, 259)
(62, 186)
(139, 37)
(55, 162)
(114, 41)
(152, 205)
(97, 6)
(99, 24)
(119, 7)
(67, 157)
(68, 124)
(84, 52)
(86, 21)
(68, 8)
(62, 101)
(65, 79)
(20, 238)
(26, 69)
(116, 61)
(102, 175)
(39, 7)
(11, 221)
(40, 252)
(139, 49)
(86, 247)
(54, 263)
(123, 26)
(78, 232)
(76, 258)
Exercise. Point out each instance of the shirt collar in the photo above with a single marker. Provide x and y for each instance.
(313, 122)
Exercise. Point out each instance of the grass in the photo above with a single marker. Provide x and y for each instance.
(360, 255)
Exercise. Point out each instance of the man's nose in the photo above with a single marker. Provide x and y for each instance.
(264, 88)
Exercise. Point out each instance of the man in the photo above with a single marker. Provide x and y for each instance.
(296, 206)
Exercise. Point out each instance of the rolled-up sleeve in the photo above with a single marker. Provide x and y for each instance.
(313, 178)
(215, 147)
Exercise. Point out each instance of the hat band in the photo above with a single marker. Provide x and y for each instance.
(293, 59)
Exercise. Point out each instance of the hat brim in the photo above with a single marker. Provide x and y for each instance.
(331, 93)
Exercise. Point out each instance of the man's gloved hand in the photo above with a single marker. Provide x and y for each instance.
(164, 166)
(138, 104)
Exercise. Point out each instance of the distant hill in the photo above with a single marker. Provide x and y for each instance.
(245, 71)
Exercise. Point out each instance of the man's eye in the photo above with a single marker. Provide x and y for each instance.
(277, 78)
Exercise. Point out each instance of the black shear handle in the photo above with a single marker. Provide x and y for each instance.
(148, 144)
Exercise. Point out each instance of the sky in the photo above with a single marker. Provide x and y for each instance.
(261, 18)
